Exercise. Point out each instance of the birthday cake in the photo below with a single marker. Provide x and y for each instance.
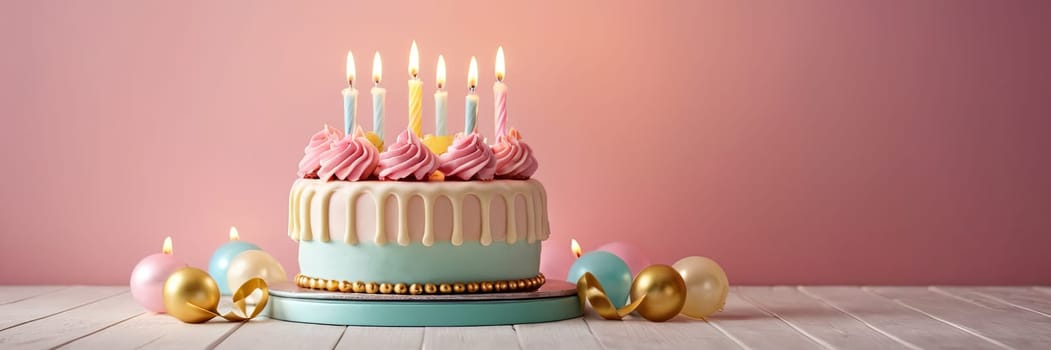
(415, 218)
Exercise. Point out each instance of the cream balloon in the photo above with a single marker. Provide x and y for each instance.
(706, 286)
(250, 264)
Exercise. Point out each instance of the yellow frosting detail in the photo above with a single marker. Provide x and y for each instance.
(438, 144)
(310, 194)
(375, 140)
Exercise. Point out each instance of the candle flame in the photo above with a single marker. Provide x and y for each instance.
(472, 74)
(167, 248)
(500, 70)
(350, 68)
(233, 234)
(576, 248)
(440, 75)
(414, 60)
(377, 68)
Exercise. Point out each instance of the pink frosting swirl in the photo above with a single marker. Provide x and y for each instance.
(319, 143)
(352, 158)
(468, 157)
(406, 158)
(514, 158)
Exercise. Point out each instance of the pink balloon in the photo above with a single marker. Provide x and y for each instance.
(631, 255)
(147, 280)
(555, 260)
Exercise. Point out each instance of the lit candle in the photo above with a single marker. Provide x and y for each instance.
(147, 279)
(379, 97)
(350, 97)
(441, 98)
(500, 95)
(471, 111)
(575, 247)
(415, 91)
(220, 262)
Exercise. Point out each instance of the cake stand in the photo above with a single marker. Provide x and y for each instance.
(555, 300)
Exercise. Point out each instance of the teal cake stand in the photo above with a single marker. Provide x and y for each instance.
(556, 300)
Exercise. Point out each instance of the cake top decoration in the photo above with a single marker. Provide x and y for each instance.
(468, 158)
(351, 158)
(320, 142)
(407, 159)
(359, 155)
(514, 158)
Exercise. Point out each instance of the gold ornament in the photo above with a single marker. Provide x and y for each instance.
(430, 288)
(445, 288)
(401, 288)
(472, 287)
(459, 287)
(416, 289)
(372, 288)
(359, 287)
(192, 296)
(661, 292)
(386, 288)
(706, 286)
(189, 294)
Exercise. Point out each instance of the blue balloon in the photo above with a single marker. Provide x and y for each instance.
(221, 261)
(609, 269)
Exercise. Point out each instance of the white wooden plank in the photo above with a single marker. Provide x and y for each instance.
(566, 334)
(822, 323)
(753, 328)
(491, 337)
(70, 325)
(45, 305)
(156, 331)
(264, 333)
(1024, 298)
(10, 294)
(996, 322)
(381, 338)
(634, 332)
(897, 321)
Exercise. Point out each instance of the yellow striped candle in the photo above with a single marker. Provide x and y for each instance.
(415, 91)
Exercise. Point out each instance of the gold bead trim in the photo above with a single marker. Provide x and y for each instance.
(520, 285)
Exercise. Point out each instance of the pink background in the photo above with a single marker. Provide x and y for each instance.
(873, 142)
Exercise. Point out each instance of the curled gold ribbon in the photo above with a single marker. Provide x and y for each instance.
(241, 294)
(590, 291)
(192, 296)
(240, 304)
(658, 294)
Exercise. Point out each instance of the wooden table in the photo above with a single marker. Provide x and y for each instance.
(781, 317)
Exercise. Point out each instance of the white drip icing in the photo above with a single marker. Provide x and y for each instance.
(304, 191)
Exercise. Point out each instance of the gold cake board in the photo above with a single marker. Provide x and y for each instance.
(555, 300)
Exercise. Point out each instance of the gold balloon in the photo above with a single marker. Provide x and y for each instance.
(706, 286)
(190, 294)
(660, 291)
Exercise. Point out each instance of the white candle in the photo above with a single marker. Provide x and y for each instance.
(350, 97)
(471, 112)
(379, 96)
(500, 95)
(441, 99)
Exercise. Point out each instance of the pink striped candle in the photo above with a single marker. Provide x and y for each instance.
(500, 95)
